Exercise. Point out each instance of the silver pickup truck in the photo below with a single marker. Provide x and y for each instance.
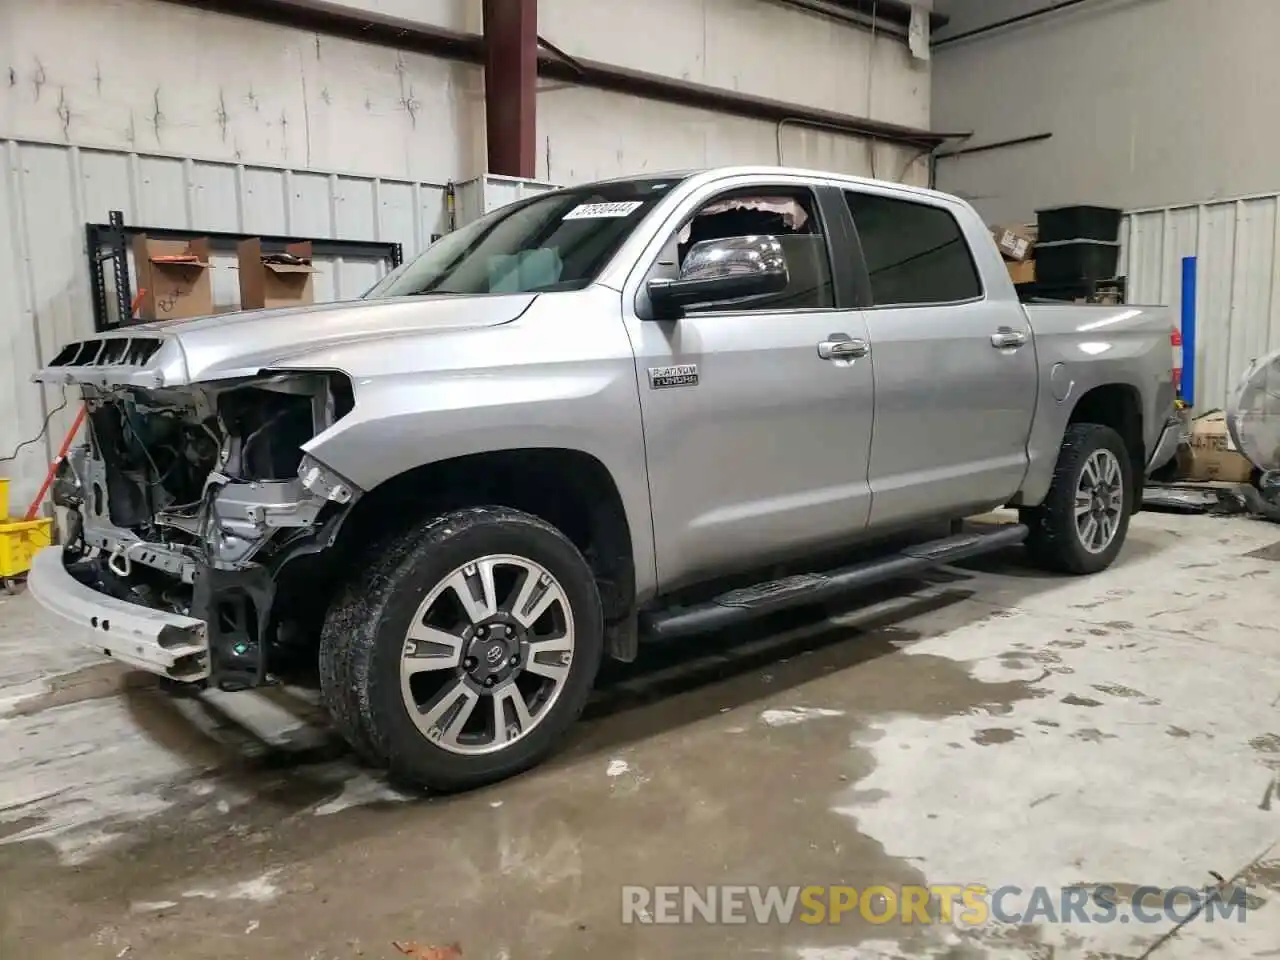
(636, 408)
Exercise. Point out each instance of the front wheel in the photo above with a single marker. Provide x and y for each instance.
(1082, 523)
(466, 650)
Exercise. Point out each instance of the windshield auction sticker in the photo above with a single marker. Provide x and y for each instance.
(603, 211)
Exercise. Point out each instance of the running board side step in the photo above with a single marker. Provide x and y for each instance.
(738, 606)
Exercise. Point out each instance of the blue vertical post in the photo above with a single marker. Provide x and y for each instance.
(1189, 330)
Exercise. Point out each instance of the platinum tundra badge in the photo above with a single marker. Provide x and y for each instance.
(679, 375)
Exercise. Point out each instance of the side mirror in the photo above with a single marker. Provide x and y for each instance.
(733, 268)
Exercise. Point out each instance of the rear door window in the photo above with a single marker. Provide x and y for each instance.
(916, 254)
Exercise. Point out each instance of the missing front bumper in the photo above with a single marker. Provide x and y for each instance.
(166, 644)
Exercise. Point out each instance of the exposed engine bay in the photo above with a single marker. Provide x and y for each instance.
(191, 499)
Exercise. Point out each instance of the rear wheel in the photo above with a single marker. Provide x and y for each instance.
(466, 650)
(1082, 523)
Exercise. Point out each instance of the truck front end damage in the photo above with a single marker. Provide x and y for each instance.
(185, 504)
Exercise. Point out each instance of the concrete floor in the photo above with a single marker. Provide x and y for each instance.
(991, 726)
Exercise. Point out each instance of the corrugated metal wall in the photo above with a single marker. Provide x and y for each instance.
(1237, 248)
(48, 192)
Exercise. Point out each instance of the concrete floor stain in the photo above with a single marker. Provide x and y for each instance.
(1118, 690)
(1092, 735)
(1263, 873)
(1267, 743)
(1076, 701)
(993, 736)
(94, 682)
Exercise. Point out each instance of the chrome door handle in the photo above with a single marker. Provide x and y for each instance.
(1006, 337)
(843, 348)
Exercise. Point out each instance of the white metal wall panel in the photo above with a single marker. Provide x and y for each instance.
(48, 192)
(1179, 81)
(244, 92)
(1235, 243)
(587, 134)
(763, 48)
(477, 197)
(235, 89)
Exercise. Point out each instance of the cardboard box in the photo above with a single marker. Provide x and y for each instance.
(1021, 271)
(173, 278)
(1212, 454)
(266, 282)
(1015, 242)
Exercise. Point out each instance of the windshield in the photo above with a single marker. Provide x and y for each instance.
(554, 241)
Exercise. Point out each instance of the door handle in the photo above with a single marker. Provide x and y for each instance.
(1006, 337)
(842, 347)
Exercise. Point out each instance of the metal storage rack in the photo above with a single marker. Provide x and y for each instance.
(109, 242)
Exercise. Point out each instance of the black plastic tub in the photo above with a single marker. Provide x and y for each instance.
(1066, 261)
(1077, 223)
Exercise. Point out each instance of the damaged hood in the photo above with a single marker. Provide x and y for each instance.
(175, 353)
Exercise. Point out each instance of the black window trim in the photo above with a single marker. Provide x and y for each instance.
(863, 274)
(833, 217)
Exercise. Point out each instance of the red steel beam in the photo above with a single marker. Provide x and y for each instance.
(511, 85)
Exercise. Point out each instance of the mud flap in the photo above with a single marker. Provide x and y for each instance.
(236, 605)
(622, 639)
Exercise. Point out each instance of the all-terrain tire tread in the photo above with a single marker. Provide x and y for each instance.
(1052, 542)
(346, 641)
(350, 634)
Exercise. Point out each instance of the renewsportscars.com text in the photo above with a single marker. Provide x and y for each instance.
(971, 905)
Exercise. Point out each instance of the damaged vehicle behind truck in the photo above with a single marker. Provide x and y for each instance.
(637, 408)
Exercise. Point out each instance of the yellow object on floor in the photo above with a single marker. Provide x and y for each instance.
(20, 539)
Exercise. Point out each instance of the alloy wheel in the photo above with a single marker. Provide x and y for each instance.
(1099, 502)
(487, 654)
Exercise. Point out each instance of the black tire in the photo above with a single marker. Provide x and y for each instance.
(364, 636)
(1055, 542)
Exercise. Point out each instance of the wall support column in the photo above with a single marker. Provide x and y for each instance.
(511, 85)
